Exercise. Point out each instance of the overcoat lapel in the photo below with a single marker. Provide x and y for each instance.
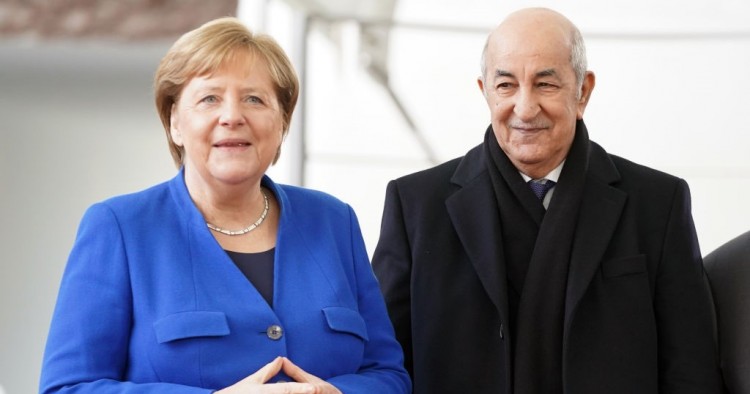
(473, 211)
(599, 215)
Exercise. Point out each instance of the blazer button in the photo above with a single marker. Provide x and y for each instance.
(274, 332)
(502, 336)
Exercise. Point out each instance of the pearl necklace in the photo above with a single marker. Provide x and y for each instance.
(248, 228)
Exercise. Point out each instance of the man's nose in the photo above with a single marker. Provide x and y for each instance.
(527, 105)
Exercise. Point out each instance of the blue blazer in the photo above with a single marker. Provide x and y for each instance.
(150, 303)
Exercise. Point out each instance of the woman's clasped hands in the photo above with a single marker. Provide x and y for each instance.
(304, 383)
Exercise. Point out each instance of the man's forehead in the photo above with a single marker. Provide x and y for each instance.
(533, 58)
(530, 47)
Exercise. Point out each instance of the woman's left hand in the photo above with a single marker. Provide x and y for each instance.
(299, 375)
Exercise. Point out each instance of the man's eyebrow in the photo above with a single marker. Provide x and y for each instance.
(503, 73)
(550, 72)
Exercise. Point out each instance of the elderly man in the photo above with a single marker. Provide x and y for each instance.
(538, 262)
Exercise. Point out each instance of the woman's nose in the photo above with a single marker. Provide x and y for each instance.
(231, 115)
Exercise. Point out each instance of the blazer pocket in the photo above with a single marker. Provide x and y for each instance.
(624, 266)
(346, 320)
(193, 324)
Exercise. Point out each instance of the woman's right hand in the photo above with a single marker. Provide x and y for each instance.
(256, 383)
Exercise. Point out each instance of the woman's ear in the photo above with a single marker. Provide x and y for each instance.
(174, 126)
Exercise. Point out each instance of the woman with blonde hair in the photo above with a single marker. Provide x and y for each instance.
(221, 280)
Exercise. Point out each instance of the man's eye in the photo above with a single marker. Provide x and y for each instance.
(504, 85)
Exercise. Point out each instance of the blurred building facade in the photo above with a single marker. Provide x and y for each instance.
(389, 87)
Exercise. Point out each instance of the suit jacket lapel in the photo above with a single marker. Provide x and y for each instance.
(473, 211)
(211, 263)
(599, 214)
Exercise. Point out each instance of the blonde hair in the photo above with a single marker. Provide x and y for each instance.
(203, 51)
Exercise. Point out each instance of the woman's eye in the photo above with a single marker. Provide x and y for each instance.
(209, 99)
(253, 99)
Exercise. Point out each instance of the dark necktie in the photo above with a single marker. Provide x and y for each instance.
(541, 189)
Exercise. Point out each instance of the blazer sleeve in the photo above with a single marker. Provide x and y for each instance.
(382, 369)
(89, 336)
(687, 353)
(392, 265)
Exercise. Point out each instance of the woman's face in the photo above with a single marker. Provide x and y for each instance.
(229, 123)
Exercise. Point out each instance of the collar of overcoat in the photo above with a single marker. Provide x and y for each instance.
(475, 217)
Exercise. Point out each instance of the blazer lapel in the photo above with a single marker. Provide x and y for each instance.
(210, 263)
(473, 211)
(599, 215)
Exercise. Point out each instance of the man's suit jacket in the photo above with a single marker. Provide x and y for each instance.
(150, 302)
(637, 315)
(728, 270)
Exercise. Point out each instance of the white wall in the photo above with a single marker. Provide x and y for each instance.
(671, 83)
(77, 125)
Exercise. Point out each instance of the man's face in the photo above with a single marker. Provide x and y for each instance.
(533, 97)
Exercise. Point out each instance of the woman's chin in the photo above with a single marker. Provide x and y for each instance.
(237, 174)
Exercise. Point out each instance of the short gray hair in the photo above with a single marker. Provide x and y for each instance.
(577, 57)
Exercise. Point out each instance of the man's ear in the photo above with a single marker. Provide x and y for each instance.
(589, 80)
(480, 82)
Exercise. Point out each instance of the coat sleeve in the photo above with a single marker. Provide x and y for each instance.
(89, 336)
(392, 265)
(382, 369)
(729, 279)
(687, 354)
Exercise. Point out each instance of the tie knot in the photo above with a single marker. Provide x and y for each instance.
(541, 187)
